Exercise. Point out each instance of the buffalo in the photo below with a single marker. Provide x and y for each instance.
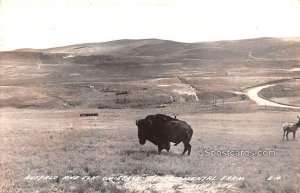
(161, 129)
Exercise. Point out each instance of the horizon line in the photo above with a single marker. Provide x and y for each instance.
(297, 38)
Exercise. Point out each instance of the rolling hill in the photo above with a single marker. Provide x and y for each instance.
(91, 74)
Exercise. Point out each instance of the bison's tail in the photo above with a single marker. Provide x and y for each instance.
(189, 133)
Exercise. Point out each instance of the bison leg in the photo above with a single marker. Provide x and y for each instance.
(287, 132)
(187, 147)
(294, 135)
(283, 135)
(159, 148)
(167, 146)
(189, 150)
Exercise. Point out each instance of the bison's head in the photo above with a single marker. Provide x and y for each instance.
(143, 125)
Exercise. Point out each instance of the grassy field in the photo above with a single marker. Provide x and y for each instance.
(60, 143)
(285, 93)
(43, 93)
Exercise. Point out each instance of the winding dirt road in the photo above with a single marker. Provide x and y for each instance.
(253, 95)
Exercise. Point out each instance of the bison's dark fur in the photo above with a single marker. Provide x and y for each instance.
(162, 129)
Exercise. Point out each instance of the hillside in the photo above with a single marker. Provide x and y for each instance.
(262, 47)
(91, 74)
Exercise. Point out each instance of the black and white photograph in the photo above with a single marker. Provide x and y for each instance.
(149, 96)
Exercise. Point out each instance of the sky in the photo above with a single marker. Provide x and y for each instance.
(51, 23)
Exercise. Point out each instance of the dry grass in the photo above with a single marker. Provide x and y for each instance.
(63, 144)
(44, 91)
(285, 93)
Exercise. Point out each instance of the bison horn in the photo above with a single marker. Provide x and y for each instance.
(150, 122)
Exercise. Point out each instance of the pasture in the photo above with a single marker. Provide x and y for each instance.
(45, 143)
(60, 143)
